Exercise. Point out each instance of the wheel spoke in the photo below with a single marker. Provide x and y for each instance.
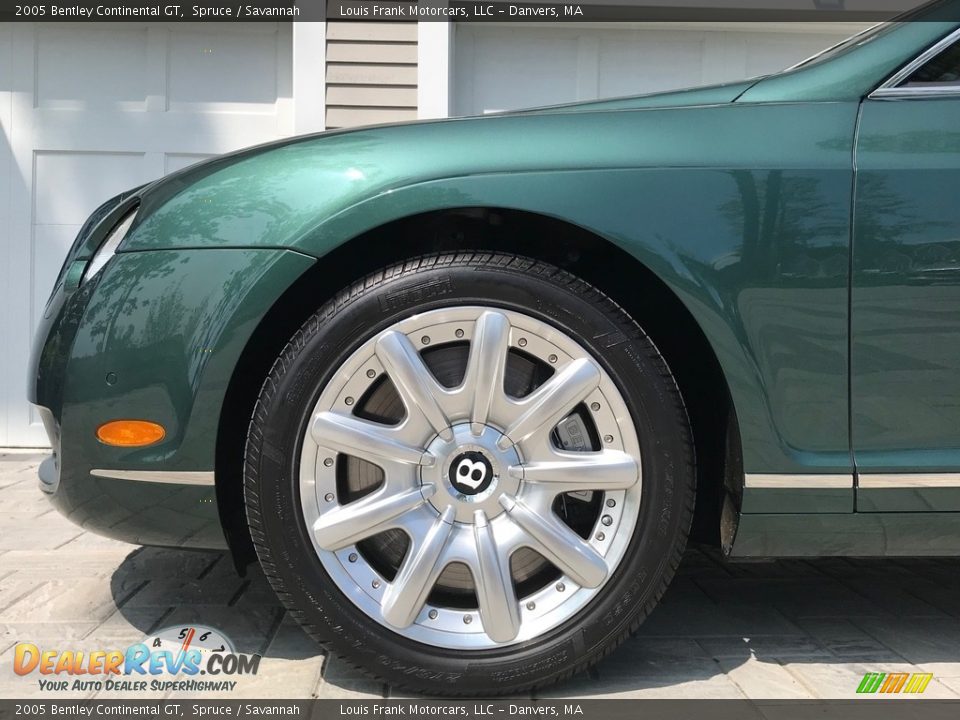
(499, 610)
(558, 544)
(500, 540)
(606, 470)
(415, 383)
(408, 592)
(485, 368)
(548, 404)
(351, 523)
(369, 441)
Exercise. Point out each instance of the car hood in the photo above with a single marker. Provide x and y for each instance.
(281, 192)
(169, 186)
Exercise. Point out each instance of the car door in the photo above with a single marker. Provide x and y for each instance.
(905, 298)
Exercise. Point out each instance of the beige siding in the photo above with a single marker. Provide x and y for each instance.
(372, 31)
(371, 73)
(341, 74)
(372, 95)
(350, 116)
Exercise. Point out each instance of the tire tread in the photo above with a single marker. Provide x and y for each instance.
(347, 296)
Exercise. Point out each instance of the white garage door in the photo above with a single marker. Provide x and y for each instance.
(500, 67)
(88, 111)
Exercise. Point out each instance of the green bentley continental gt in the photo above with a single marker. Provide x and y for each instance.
(464, 388)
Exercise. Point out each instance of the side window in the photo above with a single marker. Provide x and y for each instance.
(942, 70)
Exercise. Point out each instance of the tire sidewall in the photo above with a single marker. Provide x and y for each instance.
(552, 296)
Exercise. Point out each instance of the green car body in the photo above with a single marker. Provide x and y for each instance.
(806, 233)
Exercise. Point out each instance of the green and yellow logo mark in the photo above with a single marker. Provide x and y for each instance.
(914, 683)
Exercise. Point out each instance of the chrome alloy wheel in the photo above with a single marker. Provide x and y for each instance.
(450, 521)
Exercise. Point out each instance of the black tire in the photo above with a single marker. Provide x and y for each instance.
(376, 302)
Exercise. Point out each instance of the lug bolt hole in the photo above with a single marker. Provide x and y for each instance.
(425, 340)
(328, 462)
(459, 333)
(601, 537)
(522, 342)
(595, 406)
(352, 557)
(376, 584)
(328, 497)
(371, 373)
(349, 401)
(467, 619)
(531, 606)
(611, 503)
(552, 358)
(433, 613)
(607, 520)
(608, 438)
(561, 587)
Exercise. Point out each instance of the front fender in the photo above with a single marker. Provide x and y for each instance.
(764, 278)
(157, 339)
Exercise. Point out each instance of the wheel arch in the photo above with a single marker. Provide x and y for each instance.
(627, 280)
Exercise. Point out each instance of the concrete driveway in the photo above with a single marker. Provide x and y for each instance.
(789, 629)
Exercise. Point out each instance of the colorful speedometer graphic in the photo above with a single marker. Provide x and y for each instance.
(181, 638)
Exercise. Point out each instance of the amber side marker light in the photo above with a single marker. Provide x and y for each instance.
(130, 433)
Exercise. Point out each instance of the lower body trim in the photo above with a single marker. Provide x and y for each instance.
(171, 477)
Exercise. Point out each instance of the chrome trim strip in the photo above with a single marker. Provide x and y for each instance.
(878, 481)
(920, 92)
(171, 477)
(889, 89)
(798, 482)
(866, 481)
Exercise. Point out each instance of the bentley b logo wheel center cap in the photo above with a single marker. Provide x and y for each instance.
(471, 473)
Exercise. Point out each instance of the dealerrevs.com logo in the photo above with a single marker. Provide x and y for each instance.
(891, 683)
(172, 659)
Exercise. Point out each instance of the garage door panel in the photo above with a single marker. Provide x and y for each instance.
(80, 67)
(7, 185)
(68, 186)
(630, 60)
(98, 109)
(517, 68)
(223, 72)
(504, 68)
(206, 132)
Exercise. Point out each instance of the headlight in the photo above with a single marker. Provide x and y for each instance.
(109, 246)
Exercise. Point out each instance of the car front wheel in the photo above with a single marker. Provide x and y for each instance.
(470, 474)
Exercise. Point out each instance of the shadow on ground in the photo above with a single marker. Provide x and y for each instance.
(155, 588)
(789, 628)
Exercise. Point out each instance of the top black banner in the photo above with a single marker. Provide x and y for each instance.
(540, 11)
